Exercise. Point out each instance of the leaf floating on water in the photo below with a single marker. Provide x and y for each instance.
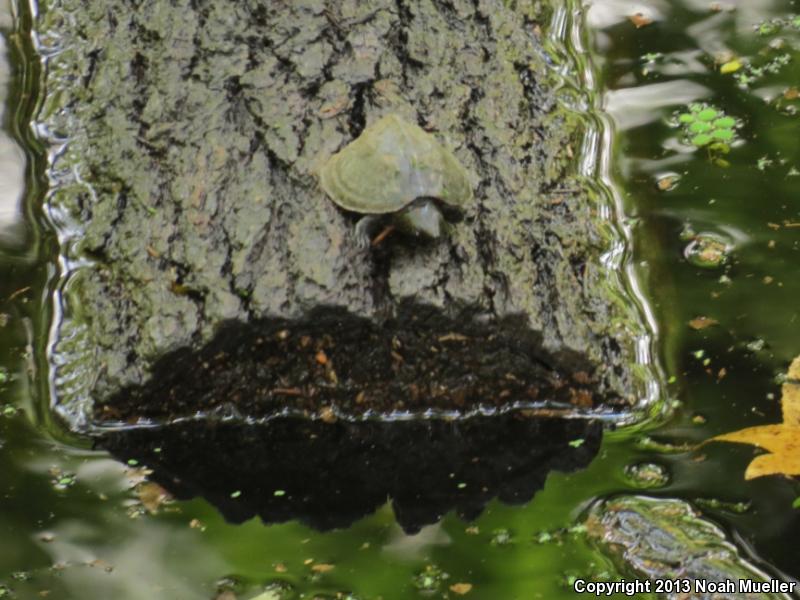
(640, 20)
(152, 496)
(702, 322)
(667, 182)
(782, 441)
(731, 66)
(461, 588)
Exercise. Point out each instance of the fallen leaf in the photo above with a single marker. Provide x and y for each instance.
(667, 182)
(639, 20)
(791, 94)
(702, 322)
(152, 496)
(461, 588)
(781, 441)
(730, 67)
(322, 568)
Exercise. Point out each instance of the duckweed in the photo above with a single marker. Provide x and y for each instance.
(704, 125)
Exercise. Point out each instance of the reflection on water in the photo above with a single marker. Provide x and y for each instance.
(632, 107)
(12, 159)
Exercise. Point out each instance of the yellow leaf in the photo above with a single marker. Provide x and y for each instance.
(730, 67)
(782, 441)
(768, 437)
(773, 464)
(790, 401)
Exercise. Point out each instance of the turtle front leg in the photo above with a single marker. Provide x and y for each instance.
(365, 228)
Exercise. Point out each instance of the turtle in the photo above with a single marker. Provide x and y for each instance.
(397, 174)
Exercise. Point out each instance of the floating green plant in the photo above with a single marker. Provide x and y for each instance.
(775, 25)
(707, 126)
(773, 57)
(753, 72)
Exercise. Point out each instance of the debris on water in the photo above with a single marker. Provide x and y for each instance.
(197, 524)
(430, 579)
(62, 480)
(756, 345)
(707, 251)
(501, 537)
(738, 508)
(152, 496)
(461, 588)
(731, 66)
(699, 420)
(701, 322)
(4, 318)
(647, 475)
(667, 182)
(322, 567)
(648, 443)
(640, 20)
(544, 537)
(276, 590)
(649, 60)
(764, 163)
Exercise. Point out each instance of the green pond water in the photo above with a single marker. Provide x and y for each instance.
(72, 526)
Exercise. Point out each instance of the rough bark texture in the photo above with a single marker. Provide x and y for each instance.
(194, 131)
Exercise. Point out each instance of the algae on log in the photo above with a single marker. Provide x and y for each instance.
(200, 248)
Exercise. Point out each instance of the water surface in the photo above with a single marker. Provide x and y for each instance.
(73, 524)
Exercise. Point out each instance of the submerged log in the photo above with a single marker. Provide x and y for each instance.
(209, 272)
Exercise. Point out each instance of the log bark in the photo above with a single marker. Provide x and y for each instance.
(208, 272)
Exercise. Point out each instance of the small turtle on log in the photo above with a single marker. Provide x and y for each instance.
(397, 175)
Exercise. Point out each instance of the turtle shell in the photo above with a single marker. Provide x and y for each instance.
(391, 164)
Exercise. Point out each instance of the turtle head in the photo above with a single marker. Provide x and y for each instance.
(421, 218)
